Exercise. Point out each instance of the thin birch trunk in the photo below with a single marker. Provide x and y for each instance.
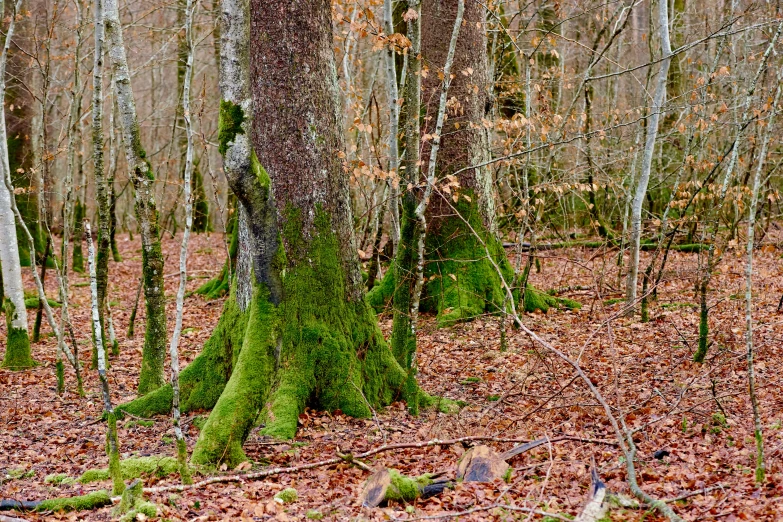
(649, 148)
(68, 206)
(392, 92)
(760, 467)
(182, 449)
(112, 444)
(101, 188)
(17, 353)
(140, 172)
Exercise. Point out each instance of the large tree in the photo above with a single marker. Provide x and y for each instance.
(464, 257)
(296, 329)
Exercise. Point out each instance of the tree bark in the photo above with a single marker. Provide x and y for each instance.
(310, 337)
(17, 353)
(143, 178)
(659, 99)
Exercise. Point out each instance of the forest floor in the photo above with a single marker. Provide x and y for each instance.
(699, 414)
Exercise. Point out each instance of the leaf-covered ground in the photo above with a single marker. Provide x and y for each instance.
(699, 414)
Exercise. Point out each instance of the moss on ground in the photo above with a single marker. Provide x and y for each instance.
(58, 479)
(287, 496)
(92, 500)
(134, 467)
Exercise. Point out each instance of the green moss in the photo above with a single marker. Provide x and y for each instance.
(314, 514)
(154, 351)
(146, 508)
(288, 495)
(135, 467)
(17, 351)
(78, 218)
(381, 294)
(536, 300)
(58, 478)
(406, 489)
(230, 121)
(462, 281)
(203, 380)
(260, 172)
(32, 302)
(331, 352)
(239, 404)
(92, 500)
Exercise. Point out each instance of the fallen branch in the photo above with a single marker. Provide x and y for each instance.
(328, 462)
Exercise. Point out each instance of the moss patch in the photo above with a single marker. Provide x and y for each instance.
(58, 479)
(406, 489)
(92, 500)
(287, 496)
(230, 121)
(17, 350)
(135, 467)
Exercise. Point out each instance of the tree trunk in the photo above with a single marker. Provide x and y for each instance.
(19, 115)
(102, 187)
(296, 329)
(17, 352)
(310, 336)
(649, 148)
(461, 281)
(143, 179)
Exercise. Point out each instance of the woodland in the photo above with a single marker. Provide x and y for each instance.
(391, 260)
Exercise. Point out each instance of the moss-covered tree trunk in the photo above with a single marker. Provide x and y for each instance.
(309, 336)
(143, 178)
(462, 280)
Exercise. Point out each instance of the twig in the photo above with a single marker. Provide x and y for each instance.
(486, 508)
(702, 491)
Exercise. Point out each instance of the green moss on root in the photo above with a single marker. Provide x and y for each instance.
(462, 281)
(92, 500)
(203, 380)
(536, 300)
(135, 467)
(380, 295)
(331, 353)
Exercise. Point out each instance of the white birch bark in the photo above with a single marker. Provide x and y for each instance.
(760, 467)
(9, 250)
(183, 253)
(392, 92)
(96, 320)
(659, 98)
